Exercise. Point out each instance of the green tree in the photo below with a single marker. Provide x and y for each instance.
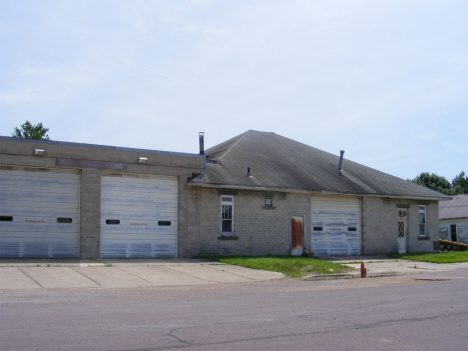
(460, 183)
(435, 182)
(28, 131)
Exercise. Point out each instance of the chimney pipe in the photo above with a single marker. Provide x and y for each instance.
(201, 137)
(248, 172)
(341, 161)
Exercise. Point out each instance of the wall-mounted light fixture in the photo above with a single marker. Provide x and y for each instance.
(38, 152)
(142, 160)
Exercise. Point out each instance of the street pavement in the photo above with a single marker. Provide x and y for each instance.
(402, 312)
(141, 273)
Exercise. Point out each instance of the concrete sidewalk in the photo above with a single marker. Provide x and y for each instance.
(385, 266)
(125, 273)
(128, 273)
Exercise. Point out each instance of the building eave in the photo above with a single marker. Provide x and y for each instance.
(321, 192)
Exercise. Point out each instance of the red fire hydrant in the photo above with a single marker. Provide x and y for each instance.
(363, 270)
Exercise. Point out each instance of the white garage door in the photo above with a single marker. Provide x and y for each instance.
(336, 228)
(39, 214)
(138, 216)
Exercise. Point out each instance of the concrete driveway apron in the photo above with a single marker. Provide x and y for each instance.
(125, 273)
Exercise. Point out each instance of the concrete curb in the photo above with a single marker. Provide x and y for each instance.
(347, 276)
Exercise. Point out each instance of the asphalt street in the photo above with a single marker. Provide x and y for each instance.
(405, 312)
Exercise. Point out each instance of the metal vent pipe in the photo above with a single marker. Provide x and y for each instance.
(341, 161)
(201, 137)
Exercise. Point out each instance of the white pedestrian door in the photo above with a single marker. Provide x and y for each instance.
(402, 235)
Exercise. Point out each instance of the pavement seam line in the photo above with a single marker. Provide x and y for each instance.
(27, 275)
(134, 275)
(175, 270)
(86, 276)
(235, 274)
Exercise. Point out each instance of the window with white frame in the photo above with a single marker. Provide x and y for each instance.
(422, 221)
(227, 215)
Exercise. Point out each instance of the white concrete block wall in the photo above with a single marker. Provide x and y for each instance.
(380, 218)
(462, 229)
(258, 231)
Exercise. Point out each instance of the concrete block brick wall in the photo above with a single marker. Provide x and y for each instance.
(380, 225)
(372, 235)
(90, 212)
(257, 230)
(189, 236)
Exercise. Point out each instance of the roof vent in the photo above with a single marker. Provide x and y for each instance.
(341, 161)
(248, 172)
(201, 137)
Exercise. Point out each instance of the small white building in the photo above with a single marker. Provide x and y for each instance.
(453, 219)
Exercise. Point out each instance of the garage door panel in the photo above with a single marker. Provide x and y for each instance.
(335, 223)
(141, 249)
(33, 182)
(139, 204)
(117, 188)
(34, 199)
(135, 201)
(38, 248)
(32, 230)
(139, 209)
(36, 176)
(123, 237)
(18, 212)
(132, 231)
(147, 216)
(40, 195)
(119, 196)
(139, 180)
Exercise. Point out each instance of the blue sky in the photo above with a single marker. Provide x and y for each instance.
(386, 81)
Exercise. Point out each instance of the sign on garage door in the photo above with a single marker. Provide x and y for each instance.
(138, 216)
(39, 213)
(335, 225)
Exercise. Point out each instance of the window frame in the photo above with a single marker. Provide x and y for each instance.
(227, 203)
(451, 226)
(422, 209)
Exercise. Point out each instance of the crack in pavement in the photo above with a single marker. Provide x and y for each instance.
(278, 336)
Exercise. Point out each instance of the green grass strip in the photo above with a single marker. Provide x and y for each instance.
(290, 265)
(439, 257)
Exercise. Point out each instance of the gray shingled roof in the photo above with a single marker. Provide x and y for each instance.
(455, 208)
(280, 163)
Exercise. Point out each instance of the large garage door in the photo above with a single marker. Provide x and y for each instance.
(39, 214)
(336, 228)
(138, 217)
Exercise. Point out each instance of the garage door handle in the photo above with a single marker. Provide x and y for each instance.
(112, 221)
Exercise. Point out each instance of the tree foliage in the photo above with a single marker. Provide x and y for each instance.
(459, 184)
(29, 131)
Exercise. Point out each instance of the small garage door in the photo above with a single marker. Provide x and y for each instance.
(39, 214)
(138, 216)
(336, 228)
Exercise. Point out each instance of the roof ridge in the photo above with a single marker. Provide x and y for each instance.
(233, 145)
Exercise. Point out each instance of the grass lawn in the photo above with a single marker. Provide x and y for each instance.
(438, 257)
(290, 265)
